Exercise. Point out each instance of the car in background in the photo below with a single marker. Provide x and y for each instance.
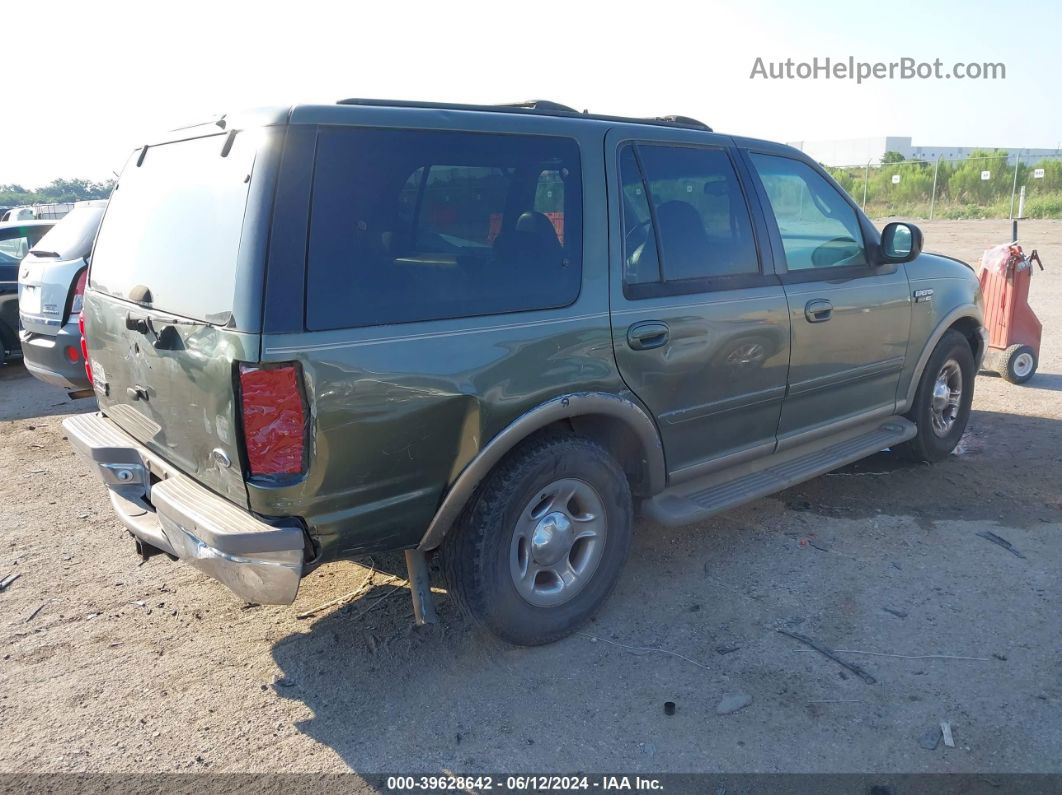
(16, 240)
(19, 214)
(50, 211)
(51, 284)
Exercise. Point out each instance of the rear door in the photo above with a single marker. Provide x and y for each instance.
(700, 329)
(170, 307)
(850, 318)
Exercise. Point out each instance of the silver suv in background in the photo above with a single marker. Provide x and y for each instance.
(51, 284)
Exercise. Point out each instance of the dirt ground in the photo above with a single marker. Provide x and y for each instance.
(113, 666)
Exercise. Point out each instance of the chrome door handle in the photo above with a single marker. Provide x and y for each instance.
(651, 334)
(818, 311)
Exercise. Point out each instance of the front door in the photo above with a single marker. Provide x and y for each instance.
(700, 331)
(850, 318)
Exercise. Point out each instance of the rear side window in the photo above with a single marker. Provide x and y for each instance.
(411, 225)
(685, 218)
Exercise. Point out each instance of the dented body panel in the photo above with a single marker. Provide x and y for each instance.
(178, 399)
(396, 419)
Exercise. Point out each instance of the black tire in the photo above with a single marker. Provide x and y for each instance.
(9, 343)
(928, 444)
(476, 554)
(1014, 364)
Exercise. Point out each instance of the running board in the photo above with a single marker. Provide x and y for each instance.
(698, 499)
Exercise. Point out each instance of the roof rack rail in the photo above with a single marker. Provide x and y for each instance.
(538, 104)
(687, 121)
(543, 107)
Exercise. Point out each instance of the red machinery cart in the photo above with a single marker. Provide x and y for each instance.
(1013, 328)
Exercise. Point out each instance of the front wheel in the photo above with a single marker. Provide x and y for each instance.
(543, 541)
(941, 406)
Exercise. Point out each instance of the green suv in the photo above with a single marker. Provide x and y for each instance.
(498, 333)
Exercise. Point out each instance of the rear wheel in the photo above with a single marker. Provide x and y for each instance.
(543, 541)
(1018, 364)
(941, 406)
(9, 342)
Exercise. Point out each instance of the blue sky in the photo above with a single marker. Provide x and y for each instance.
(117, 72)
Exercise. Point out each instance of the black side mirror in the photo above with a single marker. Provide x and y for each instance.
(900, 242)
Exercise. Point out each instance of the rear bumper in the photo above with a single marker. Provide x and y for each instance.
(259, 562)
(44, 355)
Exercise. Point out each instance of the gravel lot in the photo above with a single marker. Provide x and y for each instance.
(113, 666)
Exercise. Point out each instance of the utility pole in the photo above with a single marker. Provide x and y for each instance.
(1014, 185)
(933, 197)
(866, 179)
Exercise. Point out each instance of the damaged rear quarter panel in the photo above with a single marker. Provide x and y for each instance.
(396, 417)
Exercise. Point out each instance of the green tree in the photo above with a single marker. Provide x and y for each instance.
(892, 157)
(58, 190)
(966, 185)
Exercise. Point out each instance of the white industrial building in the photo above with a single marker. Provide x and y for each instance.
(857, 151)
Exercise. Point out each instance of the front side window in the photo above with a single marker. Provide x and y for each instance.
(411, 225)
(819, 229)
(685, 216)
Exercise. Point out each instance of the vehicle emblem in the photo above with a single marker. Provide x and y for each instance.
(921, 296)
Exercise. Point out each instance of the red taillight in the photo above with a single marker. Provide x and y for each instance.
(77, 300)
(84, 346)
(274, 421)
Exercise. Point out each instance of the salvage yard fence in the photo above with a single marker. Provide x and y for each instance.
(985, 185)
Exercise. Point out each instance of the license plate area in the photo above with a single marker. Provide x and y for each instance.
(30, 299)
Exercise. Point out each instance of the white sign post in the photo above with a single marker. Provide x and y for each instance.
(895, 179)
(986, 175)
(1038, 173)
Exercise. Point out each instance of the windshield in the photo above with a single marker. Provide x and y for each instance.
(171, 235)
(71, 238)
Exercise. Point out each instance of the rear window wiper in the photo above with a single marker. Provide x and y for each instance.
(38, 253)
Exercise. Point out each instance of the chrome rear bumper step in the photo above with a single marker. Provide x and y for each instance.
(258, 561)
(699, 499)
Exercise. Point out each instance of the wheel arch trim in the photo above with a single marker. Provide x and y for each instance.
(970, 311)
(559, 408)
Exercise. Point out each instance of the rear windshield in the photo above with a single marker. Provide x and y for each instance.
(173, 228)
(71, 238)
(415, 225)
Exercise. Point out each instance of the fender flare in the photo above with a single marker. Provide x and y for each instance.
(967, 310)
(558, 408)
